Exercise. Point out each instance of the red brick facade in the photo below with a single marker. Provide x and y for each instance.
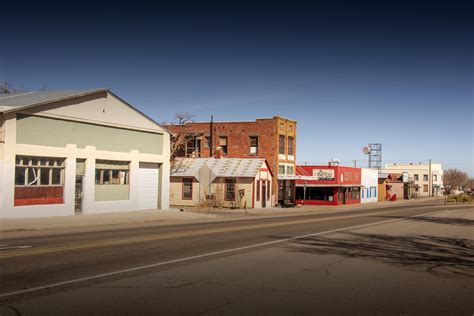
(239, 134)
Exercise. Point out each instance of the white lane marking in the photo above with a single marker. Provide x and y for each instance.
(6, 247)
(210, 254)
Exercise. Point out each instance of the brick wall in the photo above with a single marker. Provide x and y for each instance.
(238, 139)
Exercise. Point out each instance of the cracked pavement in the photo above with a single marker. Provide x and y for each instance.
(405, 267)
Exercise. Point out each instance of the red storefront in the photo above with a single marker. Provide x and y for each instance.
(327, 185)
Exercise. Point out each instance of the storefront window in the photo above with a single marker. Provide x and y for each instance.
(38, 180)
(110, 172)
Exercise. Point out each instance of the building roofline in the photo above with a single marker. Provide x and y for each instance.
(245, 121)
(78, 95)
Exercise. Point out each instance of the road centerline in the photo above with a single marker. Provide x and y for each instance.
(165, 236)
(205, 255)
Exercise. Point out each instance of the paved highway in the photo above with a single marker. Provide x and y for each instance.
(231, 266)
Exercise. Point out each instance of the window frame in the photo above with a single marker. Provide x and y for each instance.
(121, 167)
(281, 144)
(228, 182)
(253, 146)
(183, 195)
(226, 146)
(39, 165)
(258, 190)
(291, 140)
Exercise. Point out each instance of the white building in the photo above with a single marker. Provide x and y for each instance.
(369, 182)
(419, 174)
(70, 152)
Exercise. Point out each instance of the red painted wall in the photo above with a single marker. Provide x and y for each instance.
(342, 175)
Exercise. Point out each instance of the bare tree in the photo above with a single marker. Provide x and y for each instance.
(453, 179)
(8, 87)
(180, 135)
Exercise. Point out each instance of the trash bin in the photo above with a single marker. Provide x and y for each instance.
(393, 198)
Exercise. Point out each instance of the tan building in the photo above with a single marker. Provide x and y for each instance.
(74, 152)
(419, 175)
(225, 182)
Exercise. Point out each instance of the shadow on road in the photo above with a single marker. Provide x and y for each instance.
(437, 220)
(438, 255)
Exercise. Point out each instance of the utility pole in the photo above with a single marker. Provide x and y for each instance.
(355, 163)
(210, 137)
(430, 181)
(210, 156)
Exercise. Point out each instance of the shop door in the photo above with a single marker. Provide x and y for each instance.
(264, 194)
(78, 197)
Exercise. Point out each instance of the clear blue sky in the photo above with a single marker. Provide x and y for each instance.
(350, 75)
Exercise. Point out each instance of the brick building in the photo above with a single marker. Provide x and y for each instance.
(271, 138)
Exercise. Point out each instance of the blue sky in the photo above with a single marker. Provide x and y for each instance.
(401, 76)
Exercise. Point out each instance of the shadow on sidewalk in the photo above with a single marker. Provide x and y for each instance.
(437, 255)
(437, 220)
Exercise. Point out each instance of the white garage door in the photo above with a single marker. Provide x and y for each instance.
(147, 186)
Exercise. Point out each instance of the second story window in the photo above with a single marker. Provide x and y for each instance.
(291, 141)
(435, 177)
(193, 148)
(207, 141)
(223, 144)
(281, 145)
(416, 177)
(425, 177)
(253, 145)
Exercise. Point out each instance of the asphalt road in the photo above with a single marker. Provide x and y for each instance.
(391, 261)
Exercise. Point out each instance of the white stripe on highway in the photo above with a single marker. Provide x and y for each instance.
(6, 247)
(158, 264)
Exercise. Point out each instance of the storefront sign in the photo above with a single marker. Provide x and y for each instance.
(323, 174)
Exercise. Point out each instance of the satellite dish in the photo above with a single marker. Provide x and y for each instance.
(366, 150)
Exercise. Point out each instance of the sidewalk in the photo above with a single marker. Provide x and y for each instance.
(87, 222)
(307, 209)
(20, 227)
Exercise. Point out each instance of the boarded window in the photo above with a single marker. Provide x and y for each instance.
(223, 144)
(253, 145)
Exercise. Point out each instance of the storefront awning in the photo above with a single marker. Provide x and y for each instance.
(329, 185)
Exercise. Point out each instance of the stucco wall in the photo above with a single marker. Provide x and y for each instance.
(218, 189)
(111, 193)
(43, 131)
(71, 152)
(369, 179)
